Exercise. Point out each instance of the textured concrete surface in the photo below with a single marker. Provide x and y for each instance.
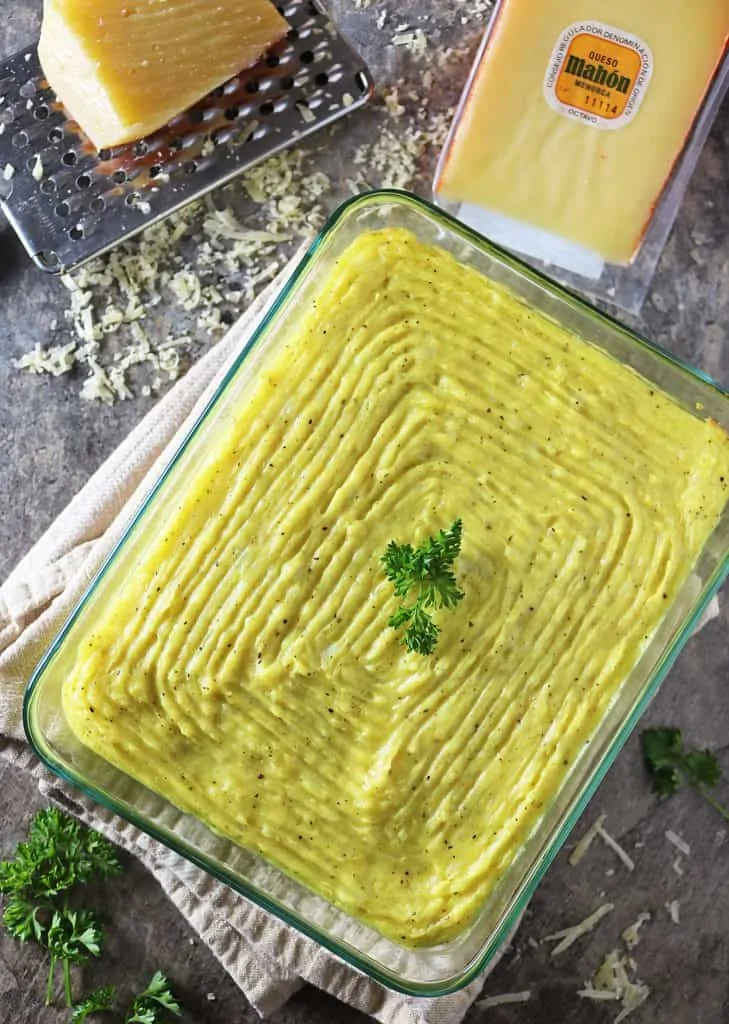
(51, 442)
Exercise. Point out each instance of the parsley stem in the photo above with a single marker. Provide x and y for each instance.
(49, 984)
(719, 808)
(67, 982)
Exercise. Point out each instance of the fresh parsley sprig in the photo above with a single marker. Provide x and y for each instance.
(72, 937)
(670, 765)
(428, 572)
(101, 1000)
(58, 856)
(153, 1005)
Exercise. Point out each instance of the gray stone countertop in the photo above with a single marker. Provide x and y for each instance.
(51, 441)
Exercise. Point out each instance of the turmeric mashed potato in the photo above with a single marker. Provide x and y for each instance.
(246, 670)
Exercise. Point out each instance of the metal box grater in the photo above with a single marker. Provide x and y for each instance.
(68, 202)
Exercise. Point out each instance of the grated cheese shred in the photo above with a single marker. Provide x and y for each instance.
(504, 999)
(673, 909)
(567, 937)
(595, 830)
(681, 845)
(631, 936)
(586, 842)
(615, 846)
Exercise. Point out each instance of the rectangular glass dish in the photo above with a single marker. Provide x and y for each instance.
(463, 949)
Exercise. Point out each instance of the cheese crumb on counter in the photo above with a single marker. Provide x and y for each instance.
(673, 909)
(504, 999)
(631, 936)
(474, 10)
(566, 937)
(586, 841)
(681, 845)
(617, 849)
(413, 40)
(595, 830)
(56, 360)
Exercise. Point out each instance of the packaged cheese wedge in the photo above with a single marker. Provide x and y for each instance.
(574, 119)
(123, 68)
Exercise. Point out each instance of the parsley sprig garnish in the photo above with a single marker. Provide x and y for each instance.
(670, 765)
(58, 856)
(426, 574)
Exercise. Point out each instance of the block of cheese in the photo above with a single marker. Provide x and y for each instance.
(577, 111)
(123, 68)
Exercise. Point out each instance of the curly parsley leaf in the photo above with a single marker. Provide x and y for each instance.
(670, 766)
(154, 1004)
(425, 573)
(100, 1000)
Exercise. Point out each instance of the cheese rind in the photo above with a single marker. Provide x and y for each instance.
(593, 180)
(123, 69)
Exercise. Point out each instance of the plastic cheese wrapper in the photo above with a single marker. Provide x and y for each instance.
(578, 131)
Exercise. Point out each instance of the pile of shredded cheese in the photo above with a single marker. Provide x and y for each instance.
(612, 982)
(111, 298)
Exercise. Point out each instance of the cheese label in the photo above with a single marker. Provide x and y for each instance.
(598, 75)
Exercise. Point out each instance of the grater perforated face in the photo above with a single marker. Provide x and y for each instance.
(68, 202)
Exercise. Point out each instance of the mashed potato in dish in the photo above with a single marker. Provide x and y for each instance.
(246, 669)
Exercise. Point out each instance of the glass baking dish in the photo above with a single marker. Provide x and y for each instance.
(424, 971)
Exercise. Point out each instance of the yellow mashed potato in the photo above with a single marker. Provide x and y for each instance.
(247, 670)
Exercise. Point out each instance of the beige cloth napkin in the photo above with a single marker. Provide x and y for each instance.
(266, 959)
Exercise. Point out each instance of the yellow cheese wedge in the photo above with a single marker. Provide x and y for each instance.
(123, 68)
(578, 111)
